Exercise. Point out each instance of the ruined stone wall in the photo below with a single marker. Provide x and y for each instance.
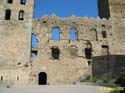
(69, 68)
(112, 65)
(104, 38)
(71, 65)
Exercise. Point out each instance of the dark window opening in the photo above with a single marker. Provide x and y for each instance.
(19, 63)
(17, 78)
(103, 25)
(34, 41)
(74, 23)
(7, 14)
(26, 65)
(34, 53)
(73, 34)
(56, 33)
(42, 78)
(1, 78)
(104, 34)
(105, 46)
(10, 1)
(34, 46)
(89, 62)
(44, 22)
(21, 15)
(23, 2)
(55, 52)
(88, 53)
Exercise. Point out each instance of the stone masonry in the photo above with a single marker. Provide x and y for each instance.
(98, 50)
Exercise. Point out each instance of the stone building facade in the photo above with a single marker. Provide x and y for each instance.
(98, 49)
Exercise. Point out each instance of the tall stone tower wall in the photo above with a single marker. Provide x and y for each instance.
(15, 39)
(15, 8)
(111, 8)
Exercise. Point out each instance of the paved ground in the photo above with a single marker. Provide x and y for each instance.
(56, 89)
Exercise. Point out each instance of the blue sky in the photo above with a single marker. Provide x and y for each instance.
(66, 8)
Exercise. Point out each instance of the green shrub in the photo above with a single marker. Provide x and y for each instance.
(98, 80)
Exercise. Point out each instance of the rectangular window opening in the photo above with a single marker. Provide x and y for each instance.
(89, 62)
(10, 1)
(34, 46)
(88, 53)
(104, 34)
(73, 34)
(55, 33)
(34, 53)
(55, 53)
(7, 14)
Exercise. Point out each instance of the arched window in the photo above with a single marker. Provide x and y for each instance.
(7, 14)
(10, 1)
(93, 34)
(73, 34)
(21, 15)
(23, 2)
(56, 33)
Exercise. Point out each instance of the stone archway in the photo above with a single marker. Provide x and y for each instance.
(42, 78)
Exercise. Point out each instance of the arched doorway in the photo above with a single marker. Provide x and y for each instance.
(42, 79)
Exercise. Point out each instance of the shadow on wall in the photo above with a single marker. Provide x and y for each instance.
(110, 67)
